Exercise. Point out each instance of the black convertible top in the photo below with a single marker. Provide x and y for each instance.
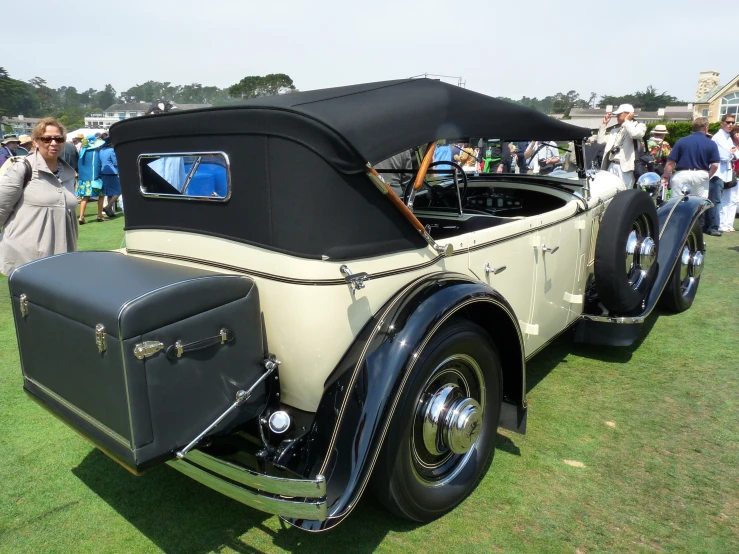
(297, 162)
(370, 122)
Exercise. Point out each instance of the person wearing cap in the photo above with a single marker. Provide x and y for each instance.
(77, 141)
(8, 147)
(619, 156)
(659, 148)
(26, 146)
(696, 158)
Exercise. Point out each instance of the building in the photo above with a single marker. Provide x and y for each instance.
(20, 125)
(713, 100)
(118, 112)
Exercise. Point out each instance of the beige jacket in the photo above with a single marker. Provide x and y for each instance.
(623, 136)
(41, 219)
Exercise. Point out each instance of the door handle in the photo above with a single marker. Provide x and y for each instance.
(545, 249)
(494, 270)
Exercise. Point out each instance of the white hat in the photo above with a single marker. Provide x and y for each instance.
(624, 108)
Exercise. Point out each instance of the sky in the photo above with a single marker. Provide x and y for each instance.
(532, 48)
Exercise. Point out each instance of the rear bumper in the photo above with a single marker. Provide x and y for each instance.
(289, 498)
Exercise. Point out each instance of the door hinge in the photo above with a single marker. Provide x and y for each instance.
(100, 338)
(529, 328)
(24, 305)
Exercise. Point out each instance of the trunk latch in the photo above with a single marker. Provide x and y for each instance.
(24, 305)
(147, 349)
(100, 338)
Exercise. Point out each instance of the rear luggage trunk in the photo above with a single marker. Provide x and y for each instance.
(84, 321)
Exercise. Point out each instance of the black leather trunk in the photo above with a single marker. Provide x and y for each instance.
(139, 411)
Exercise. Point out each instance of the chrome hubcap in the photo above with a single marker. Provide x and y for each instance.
(641, 252)
(451, 421)
(691, 265)
(448, 420)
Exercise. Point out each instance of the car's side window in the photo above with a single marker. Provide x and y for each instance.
(186, 175)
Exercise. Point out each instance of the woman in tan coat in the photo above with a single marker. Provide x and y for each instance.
(37, 202)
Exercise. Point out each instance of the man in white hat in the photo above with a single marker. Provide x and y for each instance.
(619, 156)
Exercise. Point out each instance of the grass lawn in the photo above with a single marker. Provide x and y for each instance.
(629, 450)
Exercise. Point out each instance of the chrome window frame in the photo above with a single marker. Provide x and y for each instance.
(182, 196)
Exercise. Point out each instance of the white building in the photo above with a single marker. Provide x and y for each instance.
(20, 125)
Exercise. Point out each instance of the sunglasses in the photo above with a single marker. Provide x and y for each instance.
(729, 122)
(49, 140)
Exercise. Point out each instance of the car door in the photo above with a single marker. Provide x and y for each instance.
(510, 270)
(557, 253)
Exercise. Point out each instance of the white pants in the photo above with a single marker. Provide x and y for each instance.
(626, 176)
(727, 213)
(698, 181)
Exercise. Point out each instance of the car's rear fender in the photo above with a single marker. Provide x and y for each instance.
(361, 394)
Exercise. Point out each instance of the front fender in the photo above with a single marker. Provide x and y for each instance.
(362, 392)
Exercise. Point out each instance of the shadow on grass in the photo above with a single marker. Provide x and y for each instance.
(181, 515)
(506, 445)
(538, 367)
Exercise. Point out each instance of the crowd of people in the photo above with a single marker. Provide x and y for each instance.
(43, 180)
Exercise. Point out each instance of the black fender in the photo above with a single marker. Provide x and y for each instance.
(362, 392)
(676, 218)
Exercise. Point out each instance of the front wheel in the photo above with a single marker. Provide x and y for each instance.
(442, 436)
(680, 292)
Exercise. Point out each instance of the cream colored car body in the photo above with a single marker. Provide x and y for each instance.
(311, 315)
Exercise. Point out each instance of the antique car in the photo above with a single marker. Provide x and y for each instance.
(284, 328)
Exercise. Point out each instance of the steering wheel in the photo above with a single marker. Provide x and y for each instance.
(433, 194)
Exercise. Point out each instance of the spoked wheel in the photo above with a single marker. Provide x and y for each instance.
(683, 284)
(442, 435)
(626, 251)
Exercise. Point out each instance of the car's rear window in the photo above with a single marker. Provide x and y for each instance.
(185, 175)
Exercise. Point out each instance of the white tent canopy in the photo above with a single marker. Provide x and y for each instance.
(85, 132)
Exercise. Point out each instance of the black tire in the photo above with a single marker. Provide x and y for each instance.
(621, 289)
(680, 291)
(413, 482)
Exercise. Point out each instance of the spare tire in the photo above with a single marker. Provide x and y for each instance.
(626, 251)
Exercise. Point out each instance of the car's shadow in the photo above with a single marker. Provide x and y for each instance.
(538, 367)
(180, 515)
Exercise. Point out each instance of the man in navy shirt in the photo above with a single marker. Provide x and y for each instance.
(696, 159)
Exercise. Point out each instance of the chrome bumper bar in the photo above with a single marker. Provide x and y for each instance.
(292, 498)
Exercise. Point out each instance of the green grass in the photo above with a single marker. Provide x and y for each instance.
(654, 425)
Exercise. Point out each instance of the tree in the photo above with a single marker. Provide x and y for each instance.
(563, 103)
(255, 86)
(16, 97)
(44, 94)
(105, 98)
(647, 100)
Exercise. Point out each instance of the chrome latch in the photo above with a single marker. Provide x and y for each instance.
(179, 347)
(354, 280)
(545, 249)
(494, 270)
(147, 349)
(24, 305)
(100, 338)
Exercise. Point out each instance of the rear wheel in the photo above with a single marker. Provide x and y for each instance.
(680, 292)
(442, 436)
